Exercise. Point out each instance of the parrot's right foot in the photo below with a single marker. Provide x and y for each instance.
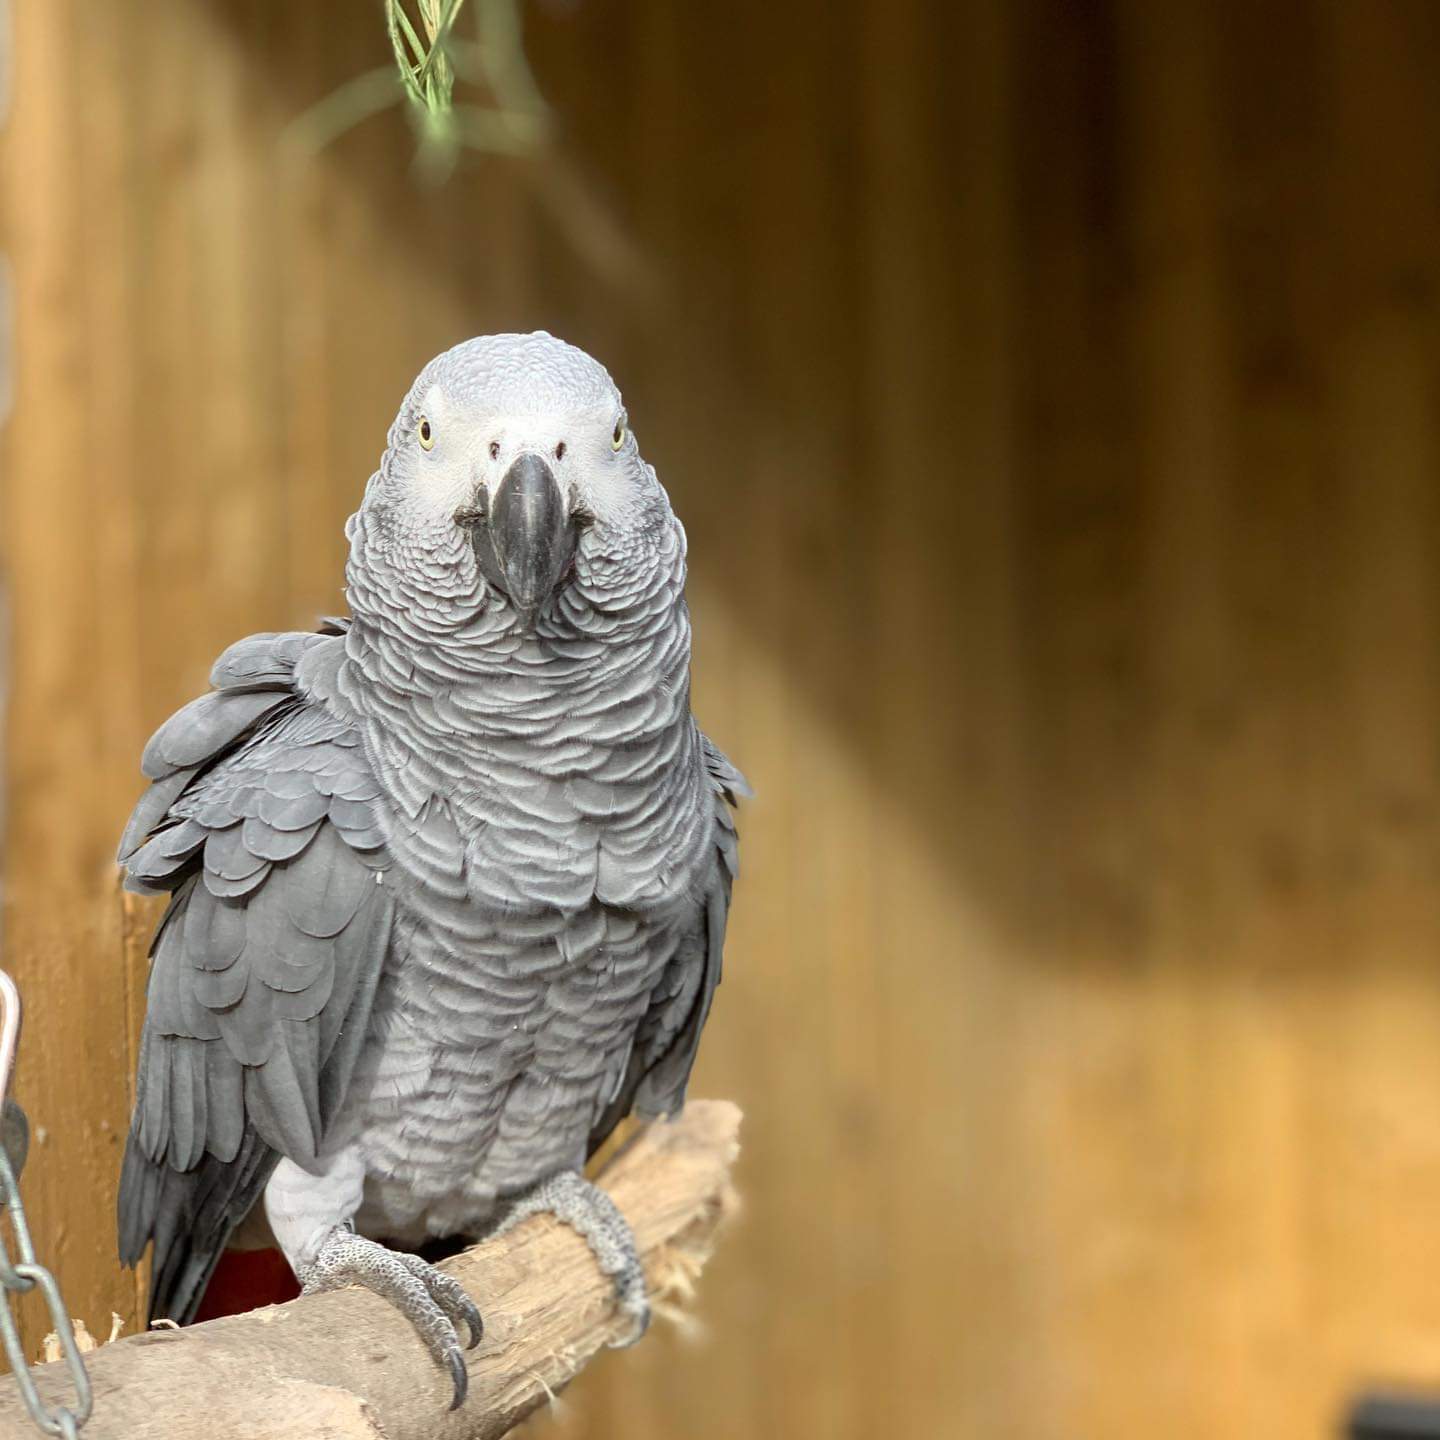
(434, 1303)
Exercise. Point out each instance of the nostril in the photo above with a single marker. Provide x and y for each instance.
(494, 449)
(560, 451)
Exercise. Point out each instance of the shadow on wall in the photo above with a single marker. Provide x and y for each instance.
(996, 414)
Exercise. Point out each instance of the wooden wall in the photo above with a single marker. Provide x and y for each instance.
(1051, 392)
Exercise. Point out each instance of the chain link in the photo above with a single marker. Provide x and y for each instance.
(21, 1276)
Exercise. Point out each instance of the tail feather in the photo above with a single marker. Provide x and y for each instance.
(189, 1215)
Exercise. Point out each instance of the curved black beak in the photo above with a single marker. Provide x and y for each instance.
(525, 543)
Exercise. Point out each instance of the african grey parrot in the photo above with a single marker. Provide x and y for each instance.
(449, 878)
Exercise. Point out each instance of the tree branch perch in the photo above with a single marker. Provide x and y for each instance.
(347, 1366)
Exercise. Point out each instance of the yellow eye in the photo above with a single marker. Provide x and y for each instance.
(618, 438)
(426, 434)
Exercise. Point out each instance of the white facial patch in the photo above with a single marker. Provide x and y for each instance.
(491, 400)
(444, 476)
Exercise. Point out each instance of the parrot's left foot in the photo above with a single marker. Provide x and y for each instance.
(434, 1303)
(589, 1211)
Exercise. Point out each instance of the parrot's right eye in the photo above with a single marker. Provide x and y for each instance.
(426, 434)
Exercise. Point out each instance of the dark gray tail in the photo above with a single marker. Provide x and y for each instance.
(189, 1214)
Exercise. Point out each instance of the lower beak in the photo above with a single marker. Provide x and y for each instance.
(528, 544)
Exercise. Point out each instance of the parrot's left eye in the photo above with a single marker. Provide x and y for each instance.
(618, 438)
(426, 434)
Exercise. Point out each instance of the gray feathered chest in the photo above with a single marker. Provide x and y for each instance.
(550, 819)
(531, 773)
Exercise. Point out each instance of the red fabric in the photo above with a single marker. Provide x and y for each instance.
(245, 1280)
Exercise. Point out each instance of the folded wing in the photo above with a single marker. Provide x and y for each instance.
(261, 823)
(668, 1037)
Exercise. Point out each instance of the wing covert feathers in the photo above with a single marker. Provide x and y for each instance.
(261, 824)
(668, 1038)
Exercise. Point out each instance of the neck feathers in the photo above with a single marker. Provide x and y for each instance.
(433, 644)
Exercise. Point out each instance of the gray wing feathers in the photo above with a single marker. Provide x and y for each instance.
(262, 662)
(205, 727)
(724, 776)
(675, 1038)
(151, 810)
(262, 825)
(668, 1037)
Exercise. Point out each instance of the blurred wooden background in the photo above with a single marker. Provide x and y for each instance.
(1050, 390)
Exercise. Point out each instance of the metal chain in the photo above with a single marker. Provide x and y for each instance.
(26, 1274)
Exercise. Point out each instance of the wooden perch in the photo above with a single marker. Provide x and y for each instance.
(347, 1366)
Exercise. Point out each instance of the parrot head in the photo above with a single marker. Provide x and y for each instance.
(507, 449)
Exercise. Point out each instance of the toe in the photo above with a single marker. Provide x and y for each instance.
(450, 1295)
(443, 1343)
(433, 1302)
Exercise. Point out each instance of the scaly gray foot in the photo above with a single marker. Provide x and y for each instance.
(434, 1303)
(590, 1212)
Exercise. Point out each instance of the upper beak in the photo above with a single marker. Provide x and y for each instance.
(530, 538)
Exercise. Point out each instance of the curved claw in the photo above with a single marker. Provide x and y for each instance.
(459, 1377)
(636, 1305)
(474, 1322)
(434, 1303)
